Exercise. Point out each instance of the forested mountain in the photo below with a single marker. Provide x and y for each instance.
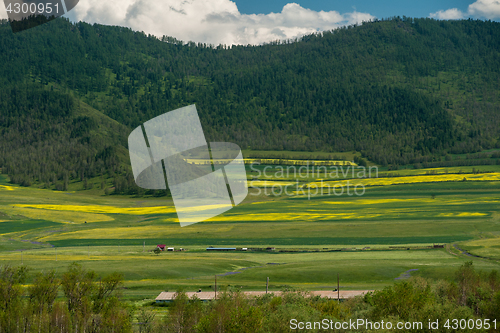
(401, 91)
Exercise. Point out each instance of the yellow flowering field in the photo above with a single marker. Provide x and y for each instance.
(464, 214)
(308, 215)
(377, 201)
(133, 232)
(103, 209)
(203, 207)
(274, 161)
(268, 183)
(494, 176)
(296, 162)
(56, 215)
(440, 200)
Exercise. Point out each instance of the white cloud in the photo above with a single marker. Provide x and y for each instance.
(215, 21)
(489, 9)
(450, 14)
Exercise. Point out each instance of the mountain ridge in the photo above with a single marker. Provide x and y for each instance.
(400, 91)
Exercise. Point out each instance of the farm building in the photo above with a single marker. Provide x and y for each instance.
(166, 296)
(221, 249)
(161, 246)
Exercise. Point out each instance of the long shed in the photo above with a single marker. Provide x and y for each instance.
(169, 296)
(221, 249)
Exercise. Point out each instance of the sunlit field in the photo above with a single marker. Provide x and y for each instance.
(413, 179)
(147, 274)
(370, 240)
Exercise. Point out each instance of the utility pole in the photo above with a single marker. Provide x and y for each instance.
(89, 251)
(338, 287)
(215, 286)
(267, 284)
(21, 257)
(143, 246)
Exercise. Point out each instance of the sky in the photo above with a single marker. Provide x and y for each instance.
(255, 22)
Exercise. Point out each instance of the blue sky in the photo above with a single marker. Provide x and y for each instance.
(380, 9)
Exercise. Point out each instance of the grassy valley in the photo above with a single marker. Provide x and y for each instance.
(369, 240)
(372, 153)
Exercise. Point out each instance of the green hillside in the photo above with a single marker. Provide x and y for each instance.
(400, 91)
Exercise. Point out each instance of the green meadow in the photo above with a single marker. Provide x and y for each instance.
(147, 274)
(369, 240)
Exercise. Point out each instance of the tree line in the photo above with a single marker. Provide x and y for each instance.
(93, 304)
(398, 90)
